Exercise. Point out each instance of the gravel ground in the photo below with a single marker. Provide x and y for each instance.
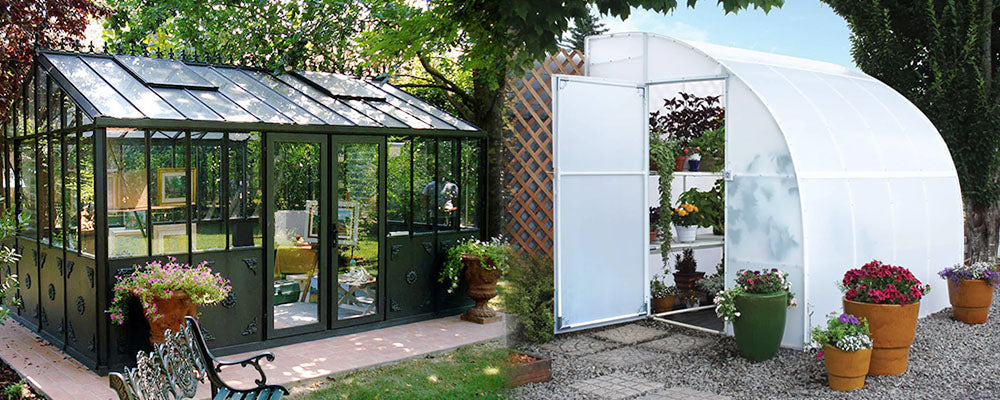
(948, 360)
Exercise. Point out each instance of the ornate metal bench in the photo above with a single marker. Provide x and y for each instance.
(173, 370)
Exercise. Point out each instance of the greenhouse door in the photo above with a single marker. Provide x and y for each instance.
(600, 157)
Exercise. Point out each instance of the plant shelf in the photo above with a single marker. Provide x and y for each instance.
(701, 242)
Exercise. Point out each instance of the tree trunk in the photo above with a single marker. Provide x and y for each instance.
(489, 87)
(981, 228)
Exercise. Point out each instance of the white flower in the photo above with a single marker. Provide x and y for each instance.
(737, 314)
(793, 303)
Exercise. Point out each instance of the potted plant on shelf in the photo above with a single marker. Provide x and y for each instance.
(687, 218)
(167, 292)
(712, 148)
(654, 220)
(663, 295)
(681, 153)
(889, 298)
(483, 264)
(687, 273)
(970, 290)
(710, 205)
(847, 346)
(694, 160)
(756, 308)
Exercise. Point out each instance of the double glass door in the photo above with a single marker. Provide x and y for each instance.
(325, 212)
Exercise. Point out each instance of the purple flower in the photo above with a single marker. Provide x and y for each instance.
(844, 318)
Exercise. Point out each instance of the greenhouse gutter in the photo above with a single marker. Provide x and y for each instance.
(229, 126)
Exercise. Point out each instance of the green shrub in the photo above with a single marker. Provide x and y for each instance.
(13, 391)
(530, 296)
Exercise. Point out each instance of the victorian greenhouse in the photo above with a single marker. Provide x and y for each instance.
(328, 201)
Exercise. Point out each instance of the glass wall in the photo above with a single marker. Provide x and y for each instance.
(398, 186)
(128, 194)
(469, 195)
(245, 195)
(357, 229)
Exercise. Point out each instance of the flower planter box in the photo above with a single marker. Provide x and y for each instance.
(663, 304)
(528, 368)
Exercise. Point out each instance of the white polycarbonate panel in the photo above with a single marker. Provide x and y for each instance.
(668, 59)
(828, 228)
(616, 56)
(885, 124)
(754, 142)
(945, 225)
(603, 117)
(601, 276)
(600, 157)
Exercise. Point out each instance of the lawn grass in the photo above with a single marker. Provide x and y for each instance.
(475, 371)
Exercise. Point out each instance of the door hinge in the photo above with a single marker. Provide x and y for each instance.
(559, 322)
(727, 176)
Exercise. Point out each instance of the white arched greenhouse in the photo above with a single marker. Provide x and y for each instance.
(826, 168)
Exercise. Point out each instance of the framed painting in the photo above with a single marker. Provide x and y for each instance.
(312, 219)
(171, 187)
(347, 223)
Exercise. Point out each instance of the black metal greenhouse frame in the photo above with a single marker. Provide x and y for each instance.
(66, 276)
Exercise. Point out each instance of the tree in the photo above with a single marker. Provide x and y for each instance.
(463, 49)
(943, 57)
(587, 26)
(25, 23)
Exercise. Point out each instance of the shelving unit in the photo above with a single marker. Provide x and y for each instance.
(701, 242)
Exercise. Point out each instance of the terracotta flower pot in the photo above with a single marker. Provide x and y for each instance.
(685, 281)
(172, 311)
(970, 300)
(652, 164)
(761, 324)
(482, 288)
(846, 371)
(652, 236)
(892, 327)
(663, 304)
(679, 163)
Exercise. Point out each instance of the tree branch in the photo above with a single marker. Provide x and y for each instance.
(437, 75)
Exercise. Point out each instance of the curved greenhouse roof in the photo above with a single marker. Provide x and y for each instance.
(828, 167)
(135, 91)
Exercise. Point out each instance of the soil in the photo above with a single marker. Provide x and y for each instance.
(516, 358)
(7, 378)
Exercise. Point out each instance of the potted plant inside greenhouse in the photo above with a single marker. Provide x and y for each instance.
(662, 294)
(687, 273)
(712, 284)
(970, 290)
(711, 146)
(654, 221)
(483, 264)
(680, 154)
(709, 204)
(694, 160)
(686, 218)
(167, 293)
(756, 308)
(889, 298)
(846, 345)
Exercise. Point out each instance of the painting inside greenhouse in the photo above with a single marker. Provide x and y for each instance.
(328, 201)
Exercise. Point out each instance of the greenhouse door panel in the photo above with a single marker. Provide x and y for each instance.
(600, 157)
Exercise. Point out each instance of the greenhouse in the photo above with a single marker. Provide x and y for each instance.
(825, 169)
(328, 201)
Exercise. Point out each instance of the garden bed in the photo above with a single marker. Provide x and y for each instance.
(12, 387)
(948, 359)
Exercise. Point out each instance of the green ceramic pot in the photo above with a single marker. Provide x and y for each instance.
(761, 324)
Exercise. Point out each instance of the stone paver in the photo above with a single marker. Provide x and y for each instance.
(577, 346)
(616, 386)
(630, 334)
(677, 343)
(623, 356)
(680, 393)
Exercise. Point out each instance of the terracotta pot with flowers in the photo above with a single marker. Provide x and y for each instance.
(663, 296)
(168, 292)
(970, 290)
(654, 221)
(756, 308)
(483, 264)
(686, 219)
(889, 298)
(847, 346)
(680, 156)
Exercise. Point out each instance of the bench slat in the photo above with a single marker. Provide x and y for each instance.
(222, 395)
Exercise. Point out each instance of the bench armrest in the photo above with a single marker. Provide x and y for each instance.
(252, 360)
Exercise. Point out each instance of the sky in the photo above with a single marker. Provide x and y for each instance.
(800, 28)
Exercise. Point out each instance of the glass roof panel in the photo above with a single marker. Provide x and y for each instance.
(374, 113)
(302, 100)
(187, 104)
(401, 99)
(237, 94)
(105, 98)
(287, 107)
(223, 106)
(163, 72)
(344, 110)
(342, 86)
(410, 119)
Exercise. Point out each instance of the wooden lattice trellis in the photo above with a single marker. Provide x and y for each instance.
(528, 153)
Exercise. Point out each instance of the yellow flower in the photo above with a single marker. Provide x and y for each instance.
(695, 208)
(682, 213)
(687, 207)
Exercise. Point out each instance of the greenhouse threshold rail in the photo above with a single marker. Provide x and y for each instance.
(659, 317)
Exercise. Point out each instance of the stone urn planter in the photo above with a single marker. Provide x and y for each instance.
(845, 371)
(528, 368)
(892, 329)
(171, 311)
(761, 324)
(970, 300)
(685, 280)
(482, 288)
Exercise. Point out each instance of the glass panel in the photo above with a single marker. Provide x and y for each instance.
(206, 168)
(446, 185)
(423, 185)
(18, 118)
(138, 94)
(187, 104)
(398, 187)
(91, 86)
(229, 110)
(128, 207)
(245, 195)
(237, 94)
(29, 189)
(72, 218)
(297, 233)
(55, 111)
(87, 193)
(170, 188)
(159, 71)
(300, 99)
(357, 230)
(42, 101)
(57, 192)
(269, 96)
(469, 199)
(341, 109)
(44, 185)
(70, 111)
(340, 85)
